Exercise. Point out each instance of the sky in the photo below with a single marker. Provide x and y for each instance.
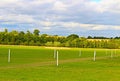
(62, 17)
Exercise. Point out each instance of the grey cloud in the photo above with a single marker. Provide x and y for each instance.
(61, 13)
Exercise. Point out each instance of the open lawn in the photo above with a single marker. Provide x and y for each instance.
(30, 63)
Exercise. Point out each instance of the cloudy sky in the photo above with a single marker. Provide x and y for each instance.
(62, 17)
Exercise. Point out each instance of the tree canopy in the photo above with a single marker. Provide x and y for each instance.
(36, 39)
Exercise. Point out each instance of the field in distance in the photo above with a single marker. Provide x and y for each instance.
(30, 63)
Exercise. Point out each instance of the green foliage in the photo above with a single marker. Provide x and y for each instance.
(49, 44)
(72, 37)
(57, 44)
(34, 39)
(36, 32)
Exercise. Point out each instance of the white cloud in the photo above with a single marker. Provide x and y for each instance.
(39, 2)
(2, 29)
(117, 27)
(100, 27)
(62, 14)
(17, 18)
(107, 6)
(71, 24)
(46, 23)
(74, 25)
(47, 28)
(8, 1)
(59, 6)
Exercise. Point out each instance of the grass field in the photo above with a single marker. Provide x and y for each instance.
(38, 64)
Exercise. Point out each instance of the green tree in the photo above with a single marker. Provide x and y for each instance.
(49, 44)
(57, 44)
(28, 37)
(72, 37)
(36, 32)
(21, 37)
(89, 37)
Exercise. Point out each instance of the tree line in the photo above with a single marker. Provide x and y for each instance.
(36, 39)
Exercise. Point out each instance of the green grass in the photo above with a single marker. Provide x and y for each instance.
(27, 64)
